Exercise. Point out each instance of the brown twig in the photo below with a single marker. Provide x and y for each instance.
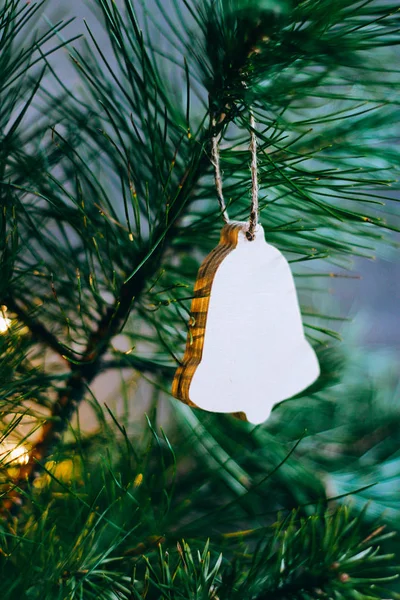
(82, 374)
(38, 329)
(84, 371)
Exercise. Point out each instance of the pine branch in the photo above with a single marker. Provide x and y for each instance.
(87, 368)
(116, 508)
(84, 370)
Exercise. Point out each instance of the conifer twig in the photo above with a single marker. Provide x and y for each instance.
(38, 329)
(84, 371)
(69, 398)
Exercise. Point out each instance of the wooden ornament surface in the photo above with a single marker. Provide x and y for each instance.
(246, 348)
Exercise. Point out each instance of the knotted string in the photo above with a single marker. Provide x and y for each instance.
(215, 159)
(217, 170)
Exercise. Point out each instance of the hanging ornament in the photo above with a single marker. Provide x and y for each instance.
(246, 349)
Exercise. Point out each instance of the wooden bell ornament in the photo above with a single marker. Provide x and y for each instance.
(246, 348)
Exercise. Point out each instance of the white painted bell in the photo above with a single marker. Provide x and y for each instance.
(246, 350)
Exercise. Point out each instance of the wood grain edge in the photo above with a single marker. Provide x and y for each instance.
(198, 313)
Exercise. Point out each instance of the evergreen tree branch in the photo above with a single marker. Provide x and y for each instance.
(84, 371)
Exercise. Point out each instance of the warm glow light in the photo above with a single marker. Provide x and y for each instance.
(13, 454)
(4, 322)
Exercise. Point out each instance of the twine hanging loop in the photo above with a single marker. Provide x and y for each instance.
(215, 159)
(215, 140)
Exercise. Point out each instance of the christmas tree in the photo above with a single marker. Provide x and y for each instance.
(109, 487)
